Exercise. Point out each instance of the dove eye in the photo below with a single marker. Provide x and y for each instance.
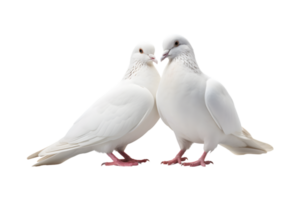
(176, 43)
(141, 51)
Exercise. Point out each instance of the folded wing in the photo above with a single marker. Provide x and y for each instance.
(110, 118)
(221, 108)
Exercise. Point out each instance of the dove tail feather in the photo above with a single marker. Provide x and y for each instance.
(53, 159)
(59, 158)
(34, 155)
(250, 145)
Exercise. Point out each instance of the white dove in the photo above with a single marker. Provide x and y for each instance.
(120, 117)
(199, 109)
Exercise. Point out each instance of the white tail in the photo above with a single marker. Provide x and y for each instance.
(58, 158)
(251, 145)
(36, 154)
(54, 159)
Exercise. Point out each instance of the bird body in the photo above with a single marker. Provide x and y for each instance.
(182, 107)
(197, 108)
(117, 119)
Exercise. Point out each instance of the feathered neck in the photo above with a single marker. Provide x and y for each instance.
(143, 74)
(133, 69)
(188, 60)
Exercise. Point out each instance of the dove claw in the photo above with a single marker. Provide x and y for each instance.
(120, 163)
(199, 162)
(126, 160)
(176, 160)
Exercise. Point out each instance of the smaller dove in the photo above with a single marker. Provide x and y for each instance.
(198, 108)
(117, 119)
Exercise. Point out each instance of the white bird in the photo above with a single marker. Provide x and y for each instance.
(117, 119)
(199, 109)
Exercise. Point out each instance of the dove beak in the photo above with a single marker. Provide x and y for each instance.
(152, 57)
(165, 54)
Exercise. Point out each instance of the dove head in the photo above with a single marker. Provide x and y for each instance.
(144, 53)
(176, 45)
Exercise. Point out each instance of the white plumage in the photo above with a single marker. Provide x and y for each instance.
(122, 116)
(197, 108)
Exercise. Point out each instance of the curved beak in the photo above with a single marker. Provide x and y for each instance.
(165, 54)
(152, 57)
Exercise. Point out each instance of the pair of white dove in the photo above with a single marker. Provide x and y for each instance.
(197, 108)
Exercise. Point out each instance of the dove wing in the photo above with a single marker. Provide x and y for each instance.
(110, 118)
(221, 108)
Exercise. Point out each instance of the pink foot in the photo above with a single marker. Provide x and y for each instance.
(177, 159)
(126, 160)
(199, 162)
(121, 163)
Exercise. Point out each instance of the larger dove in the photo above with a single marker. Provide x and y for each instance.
(117, 119)
(198, 108)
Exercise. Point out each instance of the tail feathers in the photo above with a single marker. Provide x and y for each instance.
(244, 150)
(34, 155)
(246, 133)
(59, 158)
(251, 145)
(54, 159)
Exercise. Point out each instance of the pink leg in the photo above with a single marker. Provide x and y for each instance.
(177, 159)
(201, 162)
(126, 157)
(125, 161)
(117, 162)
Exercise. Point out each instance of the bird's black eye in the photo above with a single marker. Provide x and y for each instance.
(141, 51)
(176, 43)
